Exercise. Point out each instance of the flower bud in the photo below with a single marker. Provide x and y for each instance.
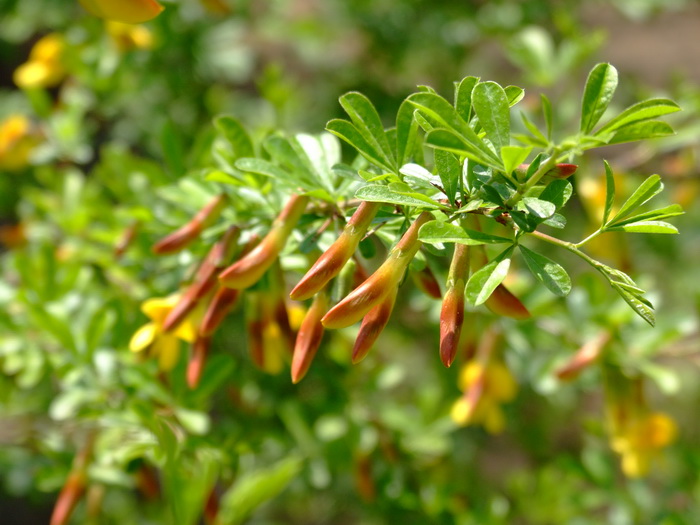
(503, 302)
(382, 282)
(180, 311)
(583, 358)
(180, 238)
(218, 256)
(127, 11)
(126, 239)
(452, 312)
(559, 171)
(334, 258)
(223, 302)
(309, 337)
(195, 367)
(372, 325)
(68, 499)
(249, 269)
(426, 282)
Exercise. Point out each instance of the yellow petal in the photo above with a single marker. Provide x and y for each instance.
(143, 337)
(494, 420)
(635, 464)
(48, 48)
(158, 308)
(38, 74)
(461, 412)
(659, 430)
(167, 349)
(469, 374)
(187, 330)
(500, 382)
(128, 11)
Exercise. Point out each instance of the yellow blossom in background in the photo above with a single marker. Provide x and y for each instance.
(163, 345)
(217, 7)
(17, 140)
(44, 68)
(129, 36)
(127, 11)
(486, 388)
(640, 439)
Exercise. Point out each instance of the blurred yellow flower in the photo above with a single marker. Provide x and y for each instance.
(17, 141)
(485, 388)
(164, 345)
(639, 440)
(129, 36)
(127, 11)
(44, 68)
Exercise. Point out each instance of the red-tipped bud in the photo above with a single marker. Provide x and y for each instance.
(218, 256)
(382, 282)
(503, 302)
(309, 337)
(195, 367)
(180, 311)
(334, 258)
(180, 238)
(126, 239)
(372, 325)
(452, 313)
(249, 269)
(427, 283)
(583, 358)
(223, 302)
(70, 495)
(562, 171)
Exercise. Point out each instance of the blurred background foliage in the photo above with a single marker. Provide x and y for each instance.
(120, 135)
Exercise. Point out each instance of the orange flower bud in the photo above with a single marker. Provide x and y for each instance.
(126, 239)
(223, 302)
(372, 325)
(309, 337)
(68, 499)
(382, 282)
(560, 171)
(180, 238)
(583, 358)
(249, 269)
(452, 313)
(503, 302)
(426, 282)
(127, 11)
(334, 258)
(180, 311)
(195, 367)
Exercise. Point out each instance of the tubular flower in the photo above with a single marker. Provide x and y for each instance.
(452, 312)
(127, 11)
(381, 283)
(164, 345)
(334, 258)
(129, 36)
(640, 441)
(249, 269)
(198, 359)
(372, 325)
(426, 282)
(44, 69)
(309, 337)
(587, 355)
(223, 302)
(17, 140)
(183, 236)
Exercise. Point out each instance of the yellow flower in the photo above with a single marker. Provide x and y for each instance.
(639, 440)
(16, 142)
(164, 345)
(485, 389)
(44, 68)
(129, 36)
(128, 11)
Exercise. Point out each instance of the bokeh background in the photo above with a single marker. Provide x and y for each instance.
(118, 131)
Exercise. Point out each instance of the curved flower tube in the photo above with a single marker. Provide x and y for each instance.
(309, 337)
(372, 325)
(452, 312)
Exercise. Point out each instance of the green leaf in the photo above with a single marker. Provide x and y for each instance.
(609, 191)
(236, 135)
(641, 111)
(555, 221)
(641, 307)
(549, 273)
(539, 208)
(484, 281)
(449, 140)
(366, 119)
(377, 193)
(406, 132)
(450, 171)
(648, 189)
(514, 156)
(349, 133)
(641, 131)
(674, 210)
(463, 97)
(537, 139)
(557, 192)
(435, 232)
(490, 104)
(439, 111)
(254, 488)
(261, 167)
(515, 94)
(547, 112)
(599, 90)
(645, 227)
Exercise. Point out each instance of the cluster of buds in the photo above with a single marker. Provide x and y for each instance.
(636, 432)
